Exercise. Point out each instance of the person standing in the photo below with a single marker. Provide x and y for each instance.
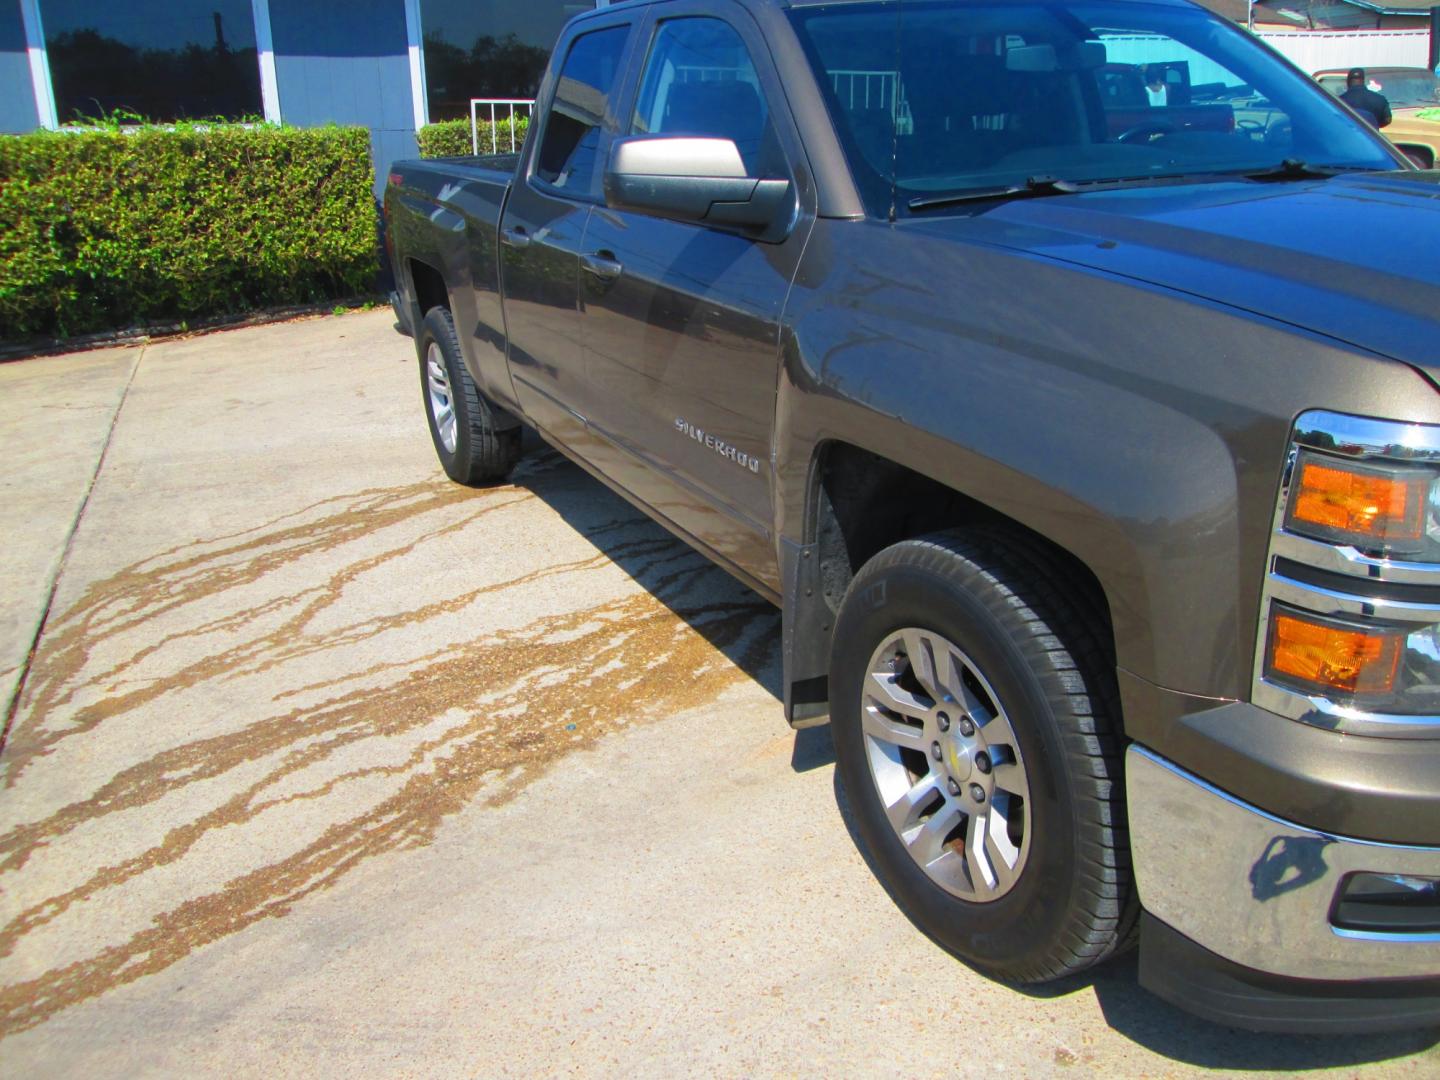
(1372, 106)
(1155, 87)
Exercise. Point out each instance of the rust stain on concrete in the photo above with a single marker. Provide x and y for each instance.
(172, 579)
(512, 704)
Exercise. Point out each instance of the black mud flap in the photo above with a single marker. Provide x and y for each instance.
(806, 623)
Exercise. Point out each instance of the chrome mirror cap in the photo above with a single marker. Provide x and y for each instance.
(667, 155)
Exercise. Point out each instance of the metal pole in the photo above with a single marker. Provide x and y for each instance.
(474, 131)
(494, 135)
(1434, 38)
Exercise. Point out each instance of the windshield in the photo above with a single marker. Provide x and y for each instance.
(952, 96)
(1403, 87)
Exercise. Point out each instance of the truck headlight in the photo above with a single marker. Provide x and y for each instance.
(1350, 617)
(1383, 509)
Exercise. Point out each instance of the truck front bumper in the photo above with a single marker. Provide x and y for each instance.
(1242, 912)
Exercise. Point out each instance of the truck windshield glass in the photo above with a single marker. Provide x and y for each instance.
(946, 96)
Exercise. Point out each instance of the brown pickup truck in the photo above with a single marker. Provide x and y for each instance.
(1096, 473)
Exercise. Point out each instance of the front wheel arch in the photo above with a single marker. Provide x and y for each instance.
(858, 502)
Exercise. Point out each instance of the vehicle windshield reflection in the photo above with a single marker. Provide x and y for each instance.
(944, 97)
(1403, 88)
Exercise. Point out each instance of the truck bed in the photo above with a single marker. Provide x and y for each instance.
(445, 212)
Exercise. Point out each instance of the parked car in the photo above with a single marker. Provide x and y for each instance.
(1410, 91)
(1096, 474)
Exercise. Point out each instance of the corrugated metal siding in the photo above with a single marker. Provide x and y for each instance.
(17, 92)
(346, 62)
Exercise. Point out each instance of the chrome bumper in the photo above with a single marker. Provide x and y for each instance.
(1258, 890)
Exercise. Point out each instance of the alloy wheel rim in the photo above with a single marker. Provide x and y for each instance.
(442, 403)
(946, 765)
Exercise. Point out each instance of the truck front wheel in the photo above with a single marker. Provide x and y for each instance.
(976, 742)
(471, 448)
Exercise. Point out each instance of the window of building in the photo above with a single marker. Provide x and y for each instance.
(488, 49)
(568, 156)
(159, 59)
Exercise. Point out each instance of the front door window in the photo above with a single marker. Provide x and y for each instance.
(700, 80)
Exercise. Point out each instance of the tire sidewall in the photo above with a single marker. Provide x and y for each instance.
(1004, 936)
(438, 330)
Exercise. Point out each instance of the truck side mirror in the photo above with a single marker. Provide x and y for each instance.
(691, 179)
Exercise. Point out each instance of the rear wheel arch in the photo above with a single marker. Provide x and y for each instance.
(474, 443)
(428, 288)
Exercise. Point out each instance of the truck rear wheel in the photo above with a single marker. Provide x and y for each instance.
(976, 740)
(472, 449)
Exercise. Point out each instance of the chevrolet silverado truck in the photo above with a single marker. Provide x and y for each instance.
(1096, 473)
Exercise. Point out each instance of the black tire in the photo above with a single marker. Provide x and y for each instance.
(483, 452)
(1009, 606)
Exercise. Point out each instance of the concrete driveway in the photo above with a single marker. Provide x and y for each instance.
(322, 764)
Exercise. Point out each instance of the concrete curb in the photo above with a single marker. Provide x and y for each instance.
(32, 347)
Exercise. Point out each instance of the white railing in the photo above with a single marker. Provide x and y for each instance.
(501, 109)
(688, 73)
(873, 90)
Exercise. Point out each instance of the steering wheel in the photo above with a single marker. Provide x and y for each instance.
(1147, 130)
(1254, 129)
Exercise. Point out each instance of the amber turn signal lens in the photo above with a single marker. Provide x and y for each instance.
(1334, 657)
(1359, 503)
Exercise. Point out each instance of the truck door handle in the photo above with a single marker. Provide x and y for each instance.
(515, 237)
(602, 264)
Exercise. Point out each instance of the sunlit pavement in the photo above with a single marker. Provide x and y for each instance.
(324, 764)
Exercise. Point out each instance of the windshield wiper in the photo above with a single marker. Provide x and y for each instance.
(1295, 169)
(1289, 169)
(1035, 185)
(1044, 185)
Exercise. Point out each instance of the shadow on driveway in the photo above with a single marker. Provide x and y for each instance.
(687, 582)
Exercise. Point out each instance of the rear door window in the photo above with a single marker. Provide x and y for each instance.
(569, 153)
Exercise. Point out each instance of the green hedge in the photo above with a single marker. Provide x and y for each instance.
(106, 229)
(451, 138)
(1429, 114)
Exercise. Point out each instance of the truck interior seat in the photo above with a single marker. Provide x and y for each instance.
(873, 130)
(728, 109)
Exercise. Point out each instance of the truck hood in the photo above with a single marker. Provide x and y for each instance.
(1356, 258)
